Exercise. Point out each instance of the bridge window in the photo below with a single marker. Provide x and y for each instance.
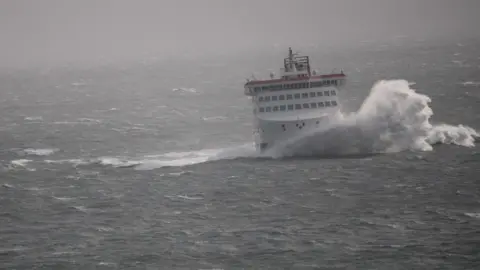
(260, 99)
(320, 104)
(290, 107)
(312, 94)
(257, 89)
(262, 109)
(274, 98)
(334, 103)
(289, 96)
(333, 93)
(313, 105)
(267, 98)
(283, 107)
(319, 94)
(297, 96)
(298, 106)
(268, 109)
(304, 95)
(327, 103)
(306, 106)
(281, 97)
(275, 108)
(326, 93)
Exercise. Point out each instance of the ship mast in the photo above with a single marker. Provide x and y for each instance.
(290, 57)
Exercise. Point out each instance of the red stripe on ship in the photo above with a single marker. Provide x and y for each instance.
(296, 79)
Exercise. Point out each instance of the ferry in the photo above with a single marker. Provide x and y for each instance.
(294, 103)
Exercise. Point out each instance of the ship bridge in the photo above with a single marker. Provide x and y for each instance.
(295, 74)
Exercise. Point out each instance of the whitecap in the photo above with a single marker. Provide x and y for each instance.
(193, 198)
(214, 118)
(187, 90)
(40, 152)
(90, 120)
(473, 215)
(178, 159)
(107, 264)
(178, 173)
(75, 162)
(33, 118)
(63, 199)
(20, 162)
(104, 229)
(6, 185)
(81, 208)
(117, 162)
(470, 83)
(77, 84)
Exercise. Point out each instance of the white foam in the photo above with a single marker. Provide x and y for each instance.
(473, 215)
(214, 118)
(20, 162)
(75, 162)
(176, 159)
(33, 118)
(63, 199)
(81, 208)
(471, 83)
(193, 198)
(116, 162)
(91, 120)
(182, 89)
(40, 152)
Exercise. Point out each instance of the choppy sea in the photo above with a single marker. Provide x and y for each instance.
(151, 165)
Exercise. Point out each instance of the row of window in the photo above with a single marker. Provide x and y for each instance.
(291, 107)
(296, 96)
(296, 85)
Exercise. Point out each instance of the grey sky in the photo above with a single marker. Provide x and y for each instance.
(60, 31)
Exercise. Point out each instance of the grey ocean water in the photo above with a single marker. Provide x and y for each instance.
(151, 166)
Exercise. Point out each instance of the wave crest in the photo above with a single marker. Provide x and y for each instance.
(392, 118)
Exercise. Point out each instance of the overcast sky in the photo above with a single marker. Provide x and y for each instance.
(46, 32)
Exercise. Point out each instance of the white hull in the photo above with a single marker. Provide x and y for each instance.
(272, 131)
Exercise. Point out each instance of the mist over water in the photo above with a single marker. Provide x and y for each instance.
(126, 138)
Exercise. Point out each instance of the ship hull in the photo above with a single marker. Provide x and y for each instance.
(271, 133)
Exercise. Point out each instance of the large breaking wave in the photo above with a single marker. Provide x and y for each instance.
(392, 118)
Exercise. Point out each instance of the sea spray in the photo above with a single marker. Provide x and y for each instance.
(392, 118)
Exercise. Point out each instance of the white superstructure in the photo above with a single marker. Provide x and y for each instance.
(298, 101)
